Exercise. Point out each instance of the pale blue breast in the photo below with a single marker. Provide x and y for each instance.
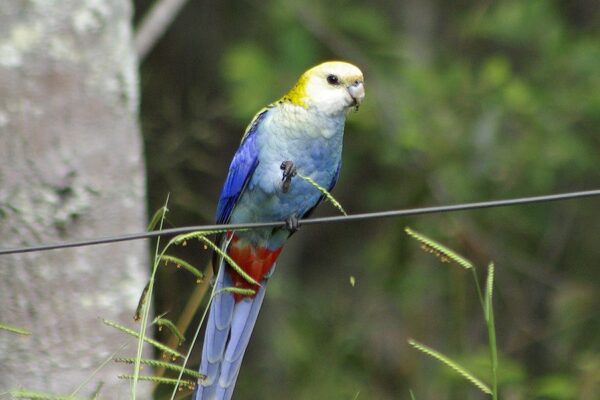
(312, 142)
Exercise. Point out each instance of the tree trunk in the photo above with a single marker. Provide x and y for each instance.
(71, 167)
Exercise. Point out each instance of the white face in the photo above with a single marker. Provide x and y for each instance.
(334, 87)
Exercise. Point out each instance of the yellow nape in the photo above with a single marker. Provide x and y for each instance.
(297, 94)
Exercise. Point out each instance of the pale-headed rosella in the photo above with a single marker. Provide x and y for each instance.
(300, 133)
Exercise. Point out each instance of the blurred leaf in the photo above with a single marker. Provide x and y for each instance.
(555, 387)
(363, 22)
(250, 78)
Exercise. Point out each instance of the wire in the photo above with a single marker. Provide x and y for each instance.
(311, 221)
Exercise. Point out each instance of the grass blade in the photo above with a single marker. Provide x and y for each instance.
(196, 333)
(183, 264)
(161, 364)
(145, 306)
(140, 307)
(489, 289)
(236, 290)
(325, 192)
(156, 218)
(160, 321)
(491, 328)
(14, 329)
(153, 342)
(440, 251)
(452, 364)
(94, 372)
(159, 379)
(202, 237)
(33, 395)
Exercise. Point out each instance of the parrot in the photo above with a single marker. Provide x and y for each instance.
(298, 135)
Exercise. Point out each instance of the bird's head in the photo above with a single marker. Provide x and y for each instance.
(332, 87)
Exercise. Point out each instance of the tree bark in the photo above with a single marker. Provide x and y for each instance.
(71, 167)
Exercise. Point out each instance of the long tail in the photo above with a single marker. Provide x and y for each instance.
(227, 335)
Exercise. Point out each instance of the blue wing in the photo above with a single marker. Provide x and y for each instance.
(242, 167)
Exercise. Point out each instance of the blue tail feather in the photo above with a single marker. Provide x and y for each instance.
(228, 332)
(245, 314)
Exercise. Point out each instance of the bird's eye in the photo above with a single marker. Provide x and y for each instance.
(332, 79)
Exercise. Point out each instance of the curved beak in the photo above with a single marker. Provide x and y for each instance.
(357, 92)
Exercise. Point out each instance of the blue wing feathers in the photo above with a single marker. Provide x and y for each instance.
(242, 167)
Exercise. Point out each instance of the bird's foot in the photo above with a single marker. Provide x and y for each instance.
(289, 171)
(292, 224)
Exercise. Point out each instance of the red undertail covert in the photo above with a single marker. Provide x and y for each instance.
(255, 261)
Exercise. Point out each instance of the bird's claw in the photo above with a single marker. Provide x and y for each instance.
(292, 224)
(289, 171)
